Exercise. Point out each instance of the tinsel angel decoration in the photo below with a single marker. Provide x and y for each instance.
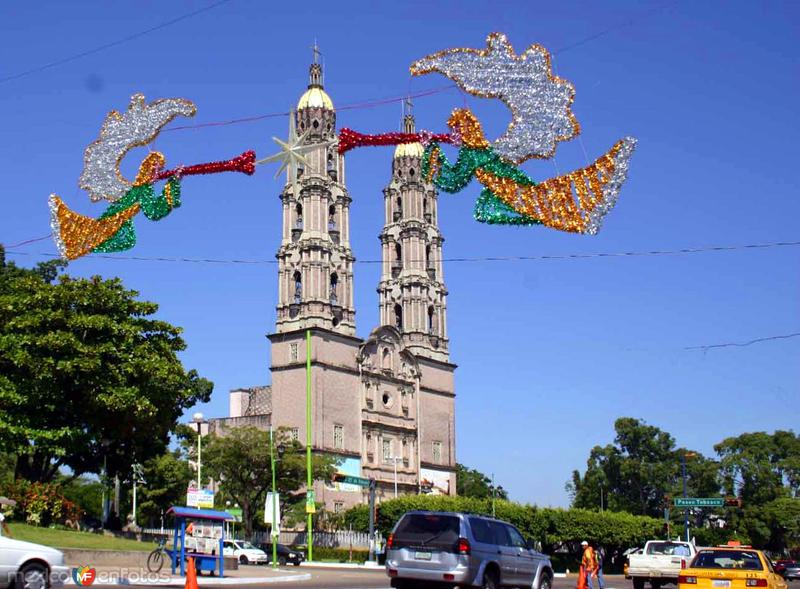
(541, 116)
(77, 235)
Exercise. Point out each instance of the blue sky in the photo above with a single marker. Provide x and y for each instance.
(549, 352)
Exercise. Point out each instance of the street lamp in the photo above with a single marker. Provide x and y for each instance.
(198, 421)
(274, 532)
(395, 460)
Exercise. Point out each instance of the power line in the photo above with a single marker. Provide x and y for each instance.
(127, 39)
(473, 260)
(744, 344)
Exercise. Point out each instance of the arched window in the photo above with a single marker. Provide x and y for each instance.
(298, 223)
(386, 359)
(398, 317)
(399, 206)
(332, 217)
(431, 320)
(398, 254)
(334, 285)
(298, 287)
(427, 255)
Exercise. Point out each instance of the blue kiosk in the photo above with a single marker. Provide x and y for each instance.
(199, 533)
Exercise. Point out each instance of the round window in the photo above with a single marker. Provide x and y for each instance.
(387, 399)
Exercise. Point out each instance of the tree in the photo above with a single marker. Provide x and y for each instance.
(87, 376)
(240, 461)
(639, 471)
(471, 483)
(167, 477)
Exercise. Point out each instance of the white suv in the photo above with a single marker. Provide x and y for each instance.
(30, 566)
(244, 551)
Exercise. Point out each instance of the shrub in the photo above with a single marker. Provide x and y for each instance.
(40, 504)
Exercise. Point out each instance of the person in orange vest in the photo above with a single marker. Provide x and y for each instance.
(588, 565)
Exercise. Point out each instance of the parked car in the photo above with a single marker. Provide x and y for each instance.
(244, 551)
(788, 569)
(285, 554)
(660, 563)
(26, 565)
(448, 549)
(730, 567)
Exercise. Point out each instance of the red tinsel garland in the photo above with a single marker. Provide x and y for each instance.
(245, 163)
(349, 139)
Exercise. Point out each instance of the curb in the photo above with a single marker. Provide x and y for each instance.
(342, 565)
(203, 581)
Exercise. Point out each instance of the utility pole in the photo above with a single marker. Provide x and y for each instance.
(372, 485)
(310, 507)
(274, 501)
(493, 495)
(684, 456)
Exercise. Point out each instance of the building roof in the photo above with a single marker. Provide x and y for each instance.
(409, 149)
(193, 513)
(315, 97)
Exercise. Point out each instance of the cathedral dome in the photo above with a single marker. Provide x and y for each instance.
(315, 97)
(409, 149)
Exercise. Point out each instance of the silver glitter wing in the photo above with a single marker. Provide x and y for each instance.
(539, 102)
(138, 125)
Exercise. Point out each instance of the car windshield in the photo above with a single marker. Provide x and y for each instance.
(667, 548)
(246, 546)
(440, 532)
(727, 559)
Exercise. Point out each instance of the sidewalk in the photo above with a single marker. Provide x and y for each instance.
(116, 576)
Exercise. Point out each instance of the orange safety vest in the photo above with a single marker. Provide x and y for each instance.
(588, 562)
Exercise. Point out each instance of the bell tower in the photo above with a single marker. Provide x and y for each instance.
(315, 262)
(412, 293)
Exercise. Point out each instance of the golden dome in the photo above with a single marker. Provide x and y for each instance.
(409, 149)
(315, 98)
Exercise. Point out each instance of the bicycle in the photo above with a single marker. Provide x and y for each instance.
(155, 560)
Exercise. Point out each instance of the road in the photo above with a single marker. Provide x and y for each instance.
(324, 578)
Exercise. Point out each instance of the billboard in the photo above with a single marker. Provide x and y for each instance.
(437, 480)
(199, 498)
(348, 467)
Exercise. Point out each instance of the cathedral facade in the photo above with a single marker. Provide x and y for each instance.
(385, 405)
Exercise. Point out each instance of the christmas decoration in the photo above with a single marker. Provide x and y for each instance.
(540, 105)
(76, 235)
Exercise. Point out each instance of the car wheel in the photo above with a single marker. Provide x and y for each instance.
(32, 576)
(489, 580)
(546, 582)
(638, 583)
(282, 561)
(655, 584)
(296, 563)
(243, 560)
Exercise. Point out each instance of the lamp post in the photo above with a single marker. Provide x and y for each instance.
(198, 420)
(274, 532)
(395, 460)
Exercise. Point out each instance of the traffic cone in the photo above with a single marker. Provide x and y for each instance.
(191, 575)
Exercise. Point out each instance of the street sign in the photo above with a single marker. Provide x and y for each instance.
(351, 480)
(699, 502)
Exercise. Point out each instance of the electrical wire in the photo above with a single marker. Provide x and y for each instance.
(744, 344)
(470, 260)
(100, 48)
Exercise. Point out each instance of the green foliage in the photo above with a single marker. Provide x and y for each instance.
(86, 374)
(240, 460)
(472, 483)
(336, 554)
(40, 504)
(86, 494)
(552, 528)
(167, 476)
(639, 471)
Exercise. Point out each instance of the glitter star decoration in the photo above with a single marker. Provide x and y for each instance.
(292, 152)
(539, 101)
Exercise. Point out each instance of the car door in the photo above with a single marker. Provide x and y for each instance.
(506, 552)
(227, 548)
(8, 561)
(526, 561)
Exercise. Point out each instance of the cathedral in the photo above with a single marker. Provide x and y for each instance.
(385, 406)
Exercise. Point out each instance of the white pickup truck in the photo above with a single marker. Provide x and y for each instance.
(660, 563)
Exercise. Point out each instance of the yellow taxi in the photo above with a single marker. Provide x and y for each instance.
(732, 566)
